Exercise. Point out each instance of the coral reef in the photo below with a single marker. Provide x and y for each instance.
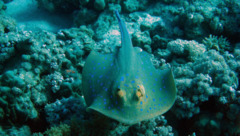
(62, 110)
(34, 67)
(61, 130)
(220, 44)
(41, 71)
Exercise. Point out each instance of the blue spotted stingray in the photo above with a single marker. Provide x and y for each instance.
(124, 85)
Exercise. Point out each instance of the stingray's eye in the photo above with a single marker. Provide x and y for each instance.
(140, 92)
(120, 93)
(121, 96)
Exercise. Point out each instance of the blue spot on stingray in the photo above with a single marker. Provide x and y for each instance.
(150, 108)
(153, 90)
(111, 64)
(122, 79)
(153, 99)
(141, 102)
(132, 81)
(146, 96)
(89, 81)
(141, 109)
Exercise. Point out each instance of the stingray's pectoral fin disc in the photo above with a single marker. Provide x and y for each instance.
(97, 77)
(157, 95)
(168, 87)
(124, 114)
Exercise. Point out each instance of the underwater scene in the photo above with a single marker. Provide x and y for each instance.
(119, 67)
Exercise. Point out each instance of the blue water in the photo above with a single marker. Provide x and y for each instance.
(30, 17)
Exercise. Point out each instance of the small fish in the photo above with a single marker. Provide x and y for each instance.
(124, 85)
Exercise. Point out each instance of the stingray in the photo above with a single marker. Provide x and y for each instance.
(124, 85)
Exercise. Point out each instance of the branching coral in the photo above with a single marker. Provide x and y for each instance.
(218, 43)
